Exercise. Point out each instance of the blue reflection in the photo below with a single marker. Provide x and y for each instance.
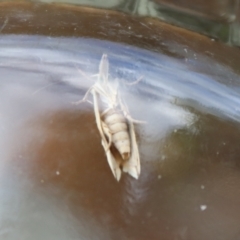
(163, 76)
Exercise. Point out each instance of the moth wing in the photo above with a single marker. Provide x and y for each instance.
(112, 161)
(111, 158)
(132, 166)
(98, 116)
(104, 68)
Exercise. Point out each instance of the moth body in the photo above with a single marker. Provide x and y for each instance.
(118, 128)
(114, 124)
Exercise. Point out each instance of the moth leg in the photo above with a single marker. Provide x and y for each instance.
(104, 112)
(84, 98)
(126, 113)
(84, 74)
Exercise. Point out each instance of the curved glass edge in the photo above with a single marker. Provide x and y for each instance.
(225, 27)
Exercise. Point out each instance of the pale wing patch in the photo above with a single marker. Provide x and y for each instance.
(132, 166)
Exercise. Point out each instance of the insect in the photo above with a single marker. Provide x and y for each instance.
(114, 123)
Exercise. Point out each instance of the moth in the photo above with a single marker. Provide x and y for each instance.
(114, 123)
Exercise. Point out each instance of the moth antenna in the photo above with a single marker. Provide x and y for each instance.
(84, 74)
(40, 89)
(135, 82)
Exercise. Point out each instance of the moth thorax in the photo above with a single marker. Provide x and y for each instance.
(118, 128)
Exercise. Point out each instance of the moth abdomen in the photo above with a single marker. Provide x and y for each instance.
(118, 127)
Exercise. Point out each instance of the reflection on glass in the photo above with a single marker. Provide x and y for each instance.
(216, 18)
